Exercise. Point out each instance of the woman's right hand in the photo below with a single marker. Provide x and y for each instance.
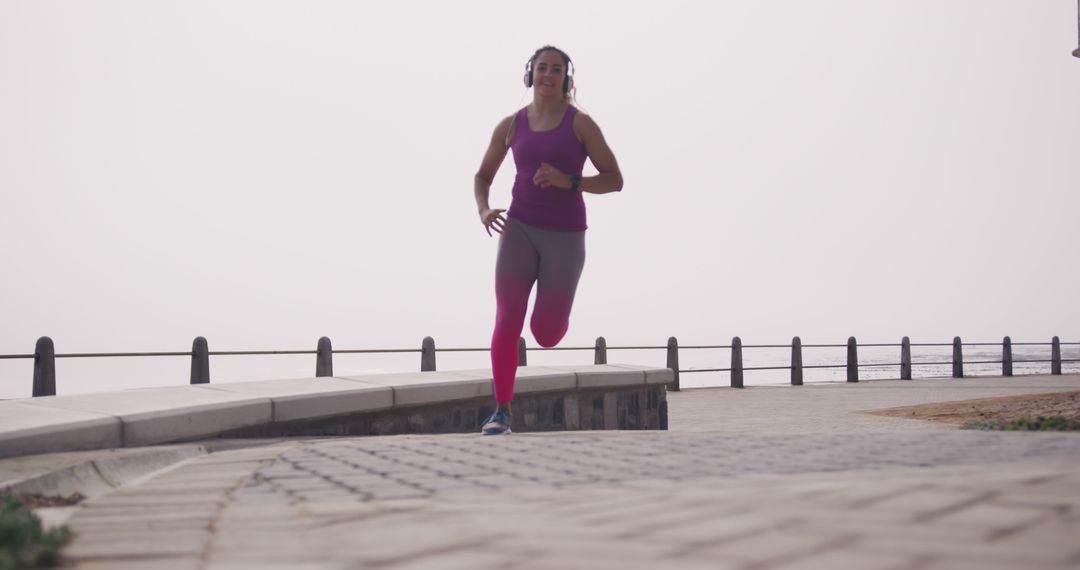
(493, 219)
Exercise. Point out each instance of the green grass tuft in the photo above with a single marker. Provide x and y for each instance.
(1041, 423)
(23, 543)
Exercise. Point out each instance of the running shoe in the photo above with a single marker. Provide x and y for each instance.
(498, 423)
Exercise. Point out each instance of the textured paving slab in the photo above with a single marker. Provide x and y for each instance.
(309, 507)
(838, 407)
(755, 479)
(421, 466)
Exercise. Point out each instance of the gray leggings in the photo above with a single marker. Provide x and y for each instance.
(551, 259)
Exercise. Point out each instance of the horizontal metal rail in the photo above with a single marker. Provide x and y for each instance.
(485, 349)
(44, 357)
(380, 350)
(119, 354)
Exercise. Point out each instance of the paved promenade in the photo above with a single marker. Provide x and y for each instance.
(760, 478)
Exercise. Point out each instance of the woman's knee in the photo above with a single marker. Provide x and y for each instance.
(548, 332)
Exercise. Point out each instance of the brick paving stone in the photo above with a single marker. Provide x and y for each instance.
(724, 528)
(158, 563)
(1047, 535)
(772, 547)
(765, 457)
(183, 487)
(138, 498)
(208, 474)
(469, 559)
(132, 509)
(927, 503)
(264, 565)
(615, 507)
(581, 550)
(177, 543)
(755, 479)
(983, 551)
(850, 558)
(996, 520)
(145, 517)
(959, 563)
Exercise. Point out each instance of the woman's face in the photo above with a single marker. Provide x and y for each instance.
(549, 73)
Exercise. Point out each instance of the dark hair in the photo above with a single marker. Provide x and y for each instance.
(565, 58)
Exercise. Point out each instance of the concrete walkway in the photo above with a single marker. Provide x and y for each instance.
(759, 478)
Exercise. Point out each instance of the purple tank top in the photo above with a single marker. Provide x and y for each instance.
(550, 208)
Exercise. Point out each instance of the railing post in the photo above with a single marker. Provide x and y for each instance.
(200, 361)
(523, 352)
(736, 363)
(957, 358)
(905, 358)
(673, 361)
(796, 361)
(427, 355)
(324, 358)
(852, 360)
(44, 368)
(1006, 357)
(600, 352)
(1055, 356)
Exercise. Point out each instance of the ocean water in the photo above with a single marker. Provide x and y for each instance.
(84, 375)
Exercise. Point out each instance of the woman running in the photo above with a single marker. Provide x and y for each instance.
(542, 236)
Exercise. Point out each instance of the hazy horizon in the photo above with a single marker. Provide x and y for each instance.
(266, 173)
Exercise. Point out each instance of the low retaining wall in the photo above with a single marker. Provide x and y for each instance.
(546, 398)
(622, 408)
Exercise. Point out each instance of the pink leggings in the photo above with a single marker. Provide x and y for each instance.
(527, 255)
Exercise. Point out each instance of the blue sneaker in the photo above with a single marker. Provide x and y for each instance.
(498, 423)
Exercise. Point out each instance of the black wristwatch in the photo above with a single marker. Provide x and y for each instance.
(575, 181)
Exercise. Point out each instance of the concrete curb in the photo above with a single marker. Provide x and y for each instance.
(154, 416)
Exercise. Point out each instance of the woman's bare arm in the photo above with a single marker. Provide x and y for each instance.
(609, 177)
(493, 158)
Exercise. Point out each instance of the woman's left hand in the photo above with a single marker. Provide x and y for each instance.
(548, 175)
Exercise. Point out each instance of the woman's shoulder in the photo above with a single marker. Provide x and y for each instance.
(513, 117)
(582, 122)
(510, 121)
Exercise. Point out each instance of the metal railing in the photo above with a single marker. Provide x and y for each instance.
(852, 364)
(45, 356)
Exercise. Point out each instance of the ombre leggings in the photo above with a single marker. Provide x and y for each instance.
(551, 259)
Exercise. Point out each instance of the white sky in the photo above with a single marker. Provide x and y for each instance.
(263, 173)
